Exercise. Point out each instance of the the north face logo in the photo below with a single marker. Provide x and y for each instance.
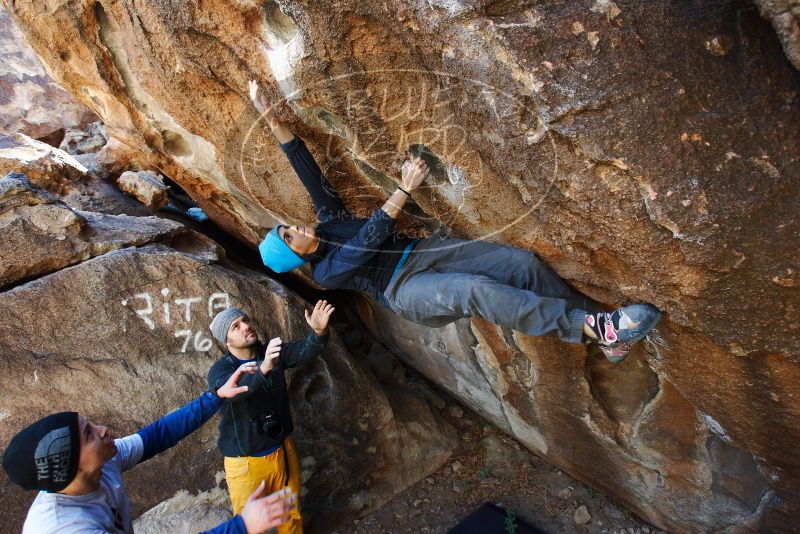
(53, 455)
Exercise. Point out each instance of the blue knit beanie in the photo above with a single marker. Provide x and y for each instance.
(277, 255)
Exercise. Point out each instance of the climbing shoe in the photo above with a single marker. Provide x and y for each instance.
(616, 331)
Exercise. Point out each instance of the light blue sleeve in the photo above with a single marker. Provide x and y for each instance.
(129, 451)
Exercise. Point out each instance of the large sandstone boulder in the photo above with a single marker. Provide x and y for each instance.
(123, 338)
(48, 167)
(87, 140)
(30, 102)
(58, 172)
(146, 186)
(186, 514)
(648, 153)
(41, 234)
(637, 437)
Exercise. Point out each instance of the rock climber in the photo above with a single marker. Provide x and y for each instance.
(256, 425)
(435, 281)
(77, 467)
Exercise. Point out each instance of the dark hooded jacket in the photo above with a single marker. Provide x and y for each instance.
(239, 433)
(353, 253)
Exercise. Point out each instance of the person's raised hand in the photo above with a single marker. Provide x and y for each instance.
(414, 172)
(231, 387)
(318, 319)
(263, 513)
(271, 355)
(262, 106)
(257, 97)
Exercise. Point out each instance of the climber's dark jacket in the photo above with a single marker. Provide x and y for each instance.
(356, 254)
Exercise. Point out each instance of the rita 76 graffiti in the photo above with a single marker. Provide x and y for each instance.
(177, 313)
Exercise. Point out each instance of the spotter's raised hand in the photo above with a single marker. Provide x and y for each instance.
(319, 317)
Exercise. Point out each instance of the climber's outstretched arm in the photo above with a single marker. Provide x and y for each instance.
(326, 200)
(281, 132)
(173, 427)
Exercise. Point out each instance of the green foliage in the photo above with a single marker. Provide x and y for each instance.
(511, 522)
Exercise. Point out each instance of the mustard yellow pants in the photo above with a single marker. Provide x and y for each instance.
(279, 469)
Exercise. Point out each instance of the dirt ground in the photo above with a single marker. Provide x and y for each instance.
(492, 467)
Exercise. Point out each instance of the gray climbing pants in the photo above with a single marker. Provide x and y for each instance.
(444, 280)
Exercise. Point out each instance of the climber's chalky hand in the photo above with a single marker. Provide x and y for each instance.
(262, 105)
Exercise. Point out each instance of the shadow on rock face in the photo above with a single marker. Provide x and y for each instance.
(737, 487)
(623, 389)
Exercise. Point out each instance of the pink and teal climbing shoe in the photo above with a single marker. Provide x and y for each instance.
(617, 331)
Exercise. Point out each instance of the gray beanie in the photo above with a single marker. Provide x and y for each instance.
(222, 323)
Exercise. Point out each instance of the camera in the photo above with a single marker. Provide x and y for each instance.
(268, 424)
